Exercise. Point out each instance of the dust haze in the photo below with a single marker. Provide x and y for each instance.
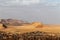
(41, 11)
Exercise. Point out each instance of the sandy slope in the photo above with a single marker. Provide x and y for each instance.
(30, 28)
(50, 28)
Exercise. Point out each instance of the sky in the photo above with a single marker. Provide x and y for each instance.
(46, 11)
(18, 2)
(29, 2)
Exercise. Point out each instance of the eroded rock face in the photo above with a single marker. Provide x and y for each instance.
(13, 22)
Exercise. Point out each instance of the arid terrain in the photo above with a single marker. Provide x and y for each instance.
(21, 30)
(31, 28)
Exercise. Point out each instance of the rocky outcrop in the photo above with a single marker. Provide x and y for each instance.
(13, 22)
(37, 35)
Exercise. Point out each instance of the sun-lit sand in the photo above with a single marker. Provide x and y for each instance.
(50, 28)
(45, 28)
(31, 28)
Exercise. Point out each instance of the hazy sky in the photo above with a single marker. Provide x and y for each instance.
(29, 2)
(46, 11)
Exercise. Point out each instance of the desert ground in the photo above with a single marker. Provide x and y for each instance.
(30, 28)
